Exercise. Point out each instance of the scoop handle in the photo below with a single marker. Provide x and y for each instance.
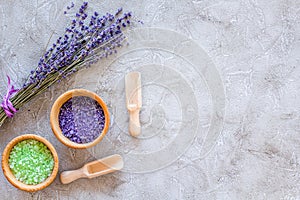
(70, 176)
(134, 123)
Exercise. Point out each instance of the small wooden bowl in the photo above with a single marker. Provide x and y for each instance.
(9, 175)
(54, 118)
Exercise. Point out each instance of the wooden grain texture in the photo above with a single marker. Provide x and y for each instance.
(94, 169)
(133, 89)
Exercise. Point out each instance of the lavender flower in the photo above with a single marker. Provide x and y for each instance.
(85, 41)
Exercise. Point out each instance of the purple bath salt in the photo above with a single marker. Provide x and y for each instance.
(81, 119)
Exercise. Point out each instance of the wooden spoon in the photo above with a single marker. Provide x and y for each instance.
(134, 101)
(94, 169)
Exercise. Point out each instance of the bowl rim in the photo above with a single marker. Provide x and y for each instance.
(8, 173)
(54, 117)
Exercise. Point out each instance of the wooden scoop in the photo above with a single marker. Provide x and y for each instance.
(134, 101)
(94, 169)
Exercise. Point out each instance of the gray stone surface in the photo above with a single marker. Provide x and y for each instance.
(254, 46)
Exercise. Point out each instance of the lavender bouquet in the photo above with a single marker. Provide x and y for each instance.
(85, 42)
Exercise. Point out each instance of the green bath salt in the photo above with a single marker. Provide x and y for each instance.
(31, 162)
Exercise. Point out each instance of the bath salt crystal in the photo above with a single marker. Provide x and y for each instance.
(31, 162)
(81, 119)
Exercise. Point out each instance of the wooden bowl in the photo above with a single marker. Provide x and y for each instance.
(9, 175)
(54, 118)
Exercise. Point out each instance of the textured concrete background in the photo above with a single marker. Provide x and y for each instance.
(255, 47)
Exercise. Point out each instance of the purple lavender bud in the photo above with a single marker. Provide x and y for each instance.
(84, 16)
(71, 6)
(119, 11)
